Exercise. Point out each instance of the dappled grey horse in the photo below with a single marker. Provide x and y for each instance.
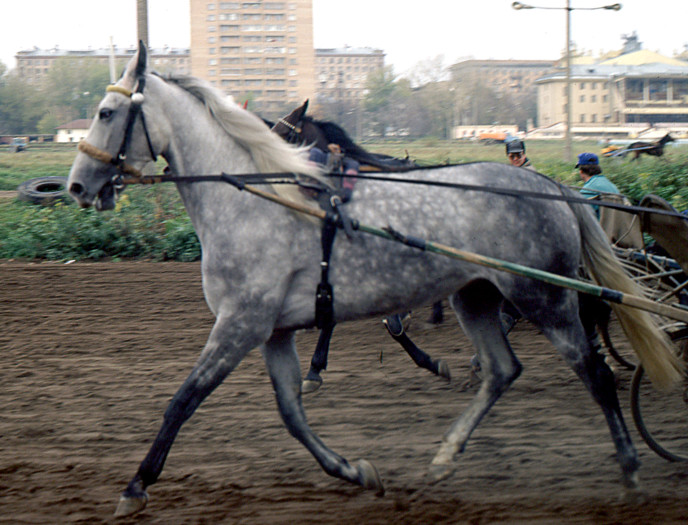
(261, 262)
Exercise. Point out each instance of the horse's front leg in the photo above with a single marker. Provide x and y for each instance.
(225, 349)
(283, 366)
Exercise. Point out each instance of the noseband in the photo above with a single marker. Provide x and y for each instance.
(118, 161)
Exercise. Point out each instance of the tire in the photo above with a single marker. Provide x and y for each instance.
(42, 190)
(662, 417)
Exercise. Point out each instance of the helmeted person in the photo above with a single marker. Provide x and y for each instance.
(516, 153)
(594, 183)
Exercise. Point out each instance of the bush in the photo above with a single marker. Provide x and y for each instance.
(151, 222)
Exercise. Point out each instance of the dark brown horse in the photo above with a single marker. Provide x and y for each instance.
(299, 128)
(655, 149)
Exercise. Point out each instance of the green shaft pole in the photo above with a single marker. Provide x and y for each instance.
(566, 282)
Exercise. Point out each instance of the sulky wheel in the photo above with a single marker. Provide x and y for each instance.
(662, 417)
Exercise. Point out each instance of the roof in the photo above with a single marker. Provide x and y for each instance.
(82, 123)
(349, 51)
(101, 52)
(641, 58)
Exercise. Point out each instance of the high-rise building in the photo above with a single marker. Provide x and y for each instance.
(34, 64)
(259, 50)
(342, 73)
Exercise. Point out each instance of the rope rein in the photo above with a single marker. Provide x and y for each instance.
(291, 178)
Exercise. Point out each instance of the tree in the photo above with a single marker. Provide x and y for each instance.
(74, 87)
(380, 86)
(20, 106)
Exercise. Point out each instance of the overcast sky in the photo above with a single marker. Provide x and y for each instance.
(408, 32)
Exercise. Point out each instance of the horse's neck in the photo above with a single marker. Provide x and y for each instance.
(199, 146)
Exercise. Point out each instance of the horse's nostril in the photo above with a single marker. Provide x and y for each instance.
(76, 189)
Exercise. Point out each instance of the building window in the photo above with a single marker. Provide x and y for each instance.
(593, 98)
(582, 98)
(582, 118)
(582, 85)
(593, 117)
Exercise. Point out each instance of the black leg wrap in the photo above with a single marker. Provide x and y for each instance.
(394, 325)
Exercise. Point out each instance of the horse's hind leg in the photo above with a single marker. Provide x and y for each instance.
(477, 307)
(395, 327)
(283, 366)
(566, 333)
(313, 379)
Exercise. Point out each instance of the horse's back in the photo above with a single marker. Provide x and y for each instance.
(533, 232)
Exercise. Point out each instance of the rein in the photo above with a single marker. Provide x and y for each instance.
(291, 178)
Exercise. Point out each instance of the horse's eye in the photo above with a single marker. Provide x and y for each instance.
(105, 114)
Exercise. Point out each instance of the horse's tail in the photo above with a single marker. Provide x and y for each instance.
(650, 343)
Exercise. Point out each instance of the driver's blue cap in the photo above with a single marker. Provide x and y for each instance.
(586, 159)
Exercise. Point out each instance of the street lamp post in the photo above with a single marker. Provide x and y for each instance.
(569, 99)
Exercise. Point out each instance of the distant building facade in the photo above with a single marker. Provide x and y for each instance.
(342, 73)
(509, 76)
(73, 131)
(635, 87)
(262, 50)
(34, 65)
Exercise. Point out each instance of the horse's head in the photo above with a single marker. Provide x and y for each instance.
(290, 127)
(667, 138)
(109, 149)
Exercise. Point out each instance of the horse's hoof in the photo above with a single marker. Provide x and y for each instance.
(129, 505)
(443, 369)
(310, 385)
(634, 496)
(406, 321)
(369, 477)
(439, 472)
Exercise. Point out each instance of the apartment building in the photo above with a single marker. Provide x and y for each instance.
(342, 73)
(259, 50)
(34, 64)
(636, 87)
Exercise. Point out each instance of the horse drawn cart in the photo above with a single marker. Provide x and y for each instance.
(663, 273)
(262, 263)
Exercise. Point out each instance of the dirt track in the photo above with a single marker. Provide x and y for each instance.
(90, 354)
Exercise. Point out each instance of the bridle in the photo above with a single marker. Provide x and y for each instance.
(135, 110)
(295, 130)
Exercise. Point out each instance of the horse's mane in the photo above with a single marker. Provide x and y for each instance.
(270, 153)
(335, 134)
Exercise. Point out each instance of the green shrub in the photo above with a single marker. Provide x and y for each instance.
(151, 222)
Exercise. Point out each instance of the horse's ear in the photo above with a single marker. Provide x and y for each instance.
(136, 67)
(142, 59)
(305, 106)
